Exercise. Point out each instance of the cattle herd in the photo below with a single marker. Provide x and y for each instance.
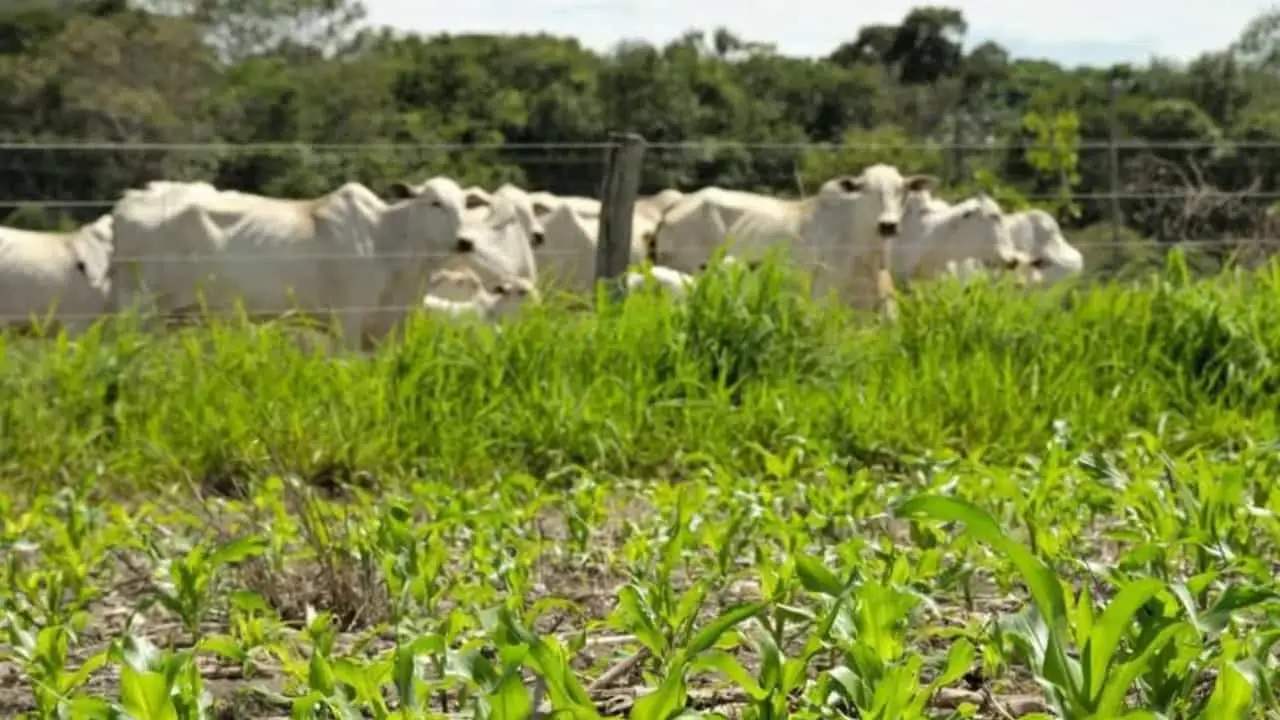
(366, 261)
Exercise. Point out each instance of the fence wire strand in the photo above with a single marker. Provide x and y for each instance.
(589, 156)
(540, 253)
(1123, 144)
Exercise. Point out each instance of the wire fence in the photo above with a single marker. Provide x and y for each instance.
(86, 176)
(290, 257)
(1188, 194)
(560, 146)
(106, 204)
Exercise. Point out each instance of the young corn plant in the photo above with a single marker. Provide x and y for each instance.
(187, 584)
(44, 658)
(1118, 644)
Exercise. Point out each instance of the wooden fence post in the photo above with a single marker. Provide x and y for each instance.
(623, 166)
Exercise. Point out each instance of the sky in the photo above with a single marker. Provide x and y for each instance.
(1067, 31)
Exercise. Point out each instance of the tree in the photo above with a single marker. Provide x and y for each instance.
(870, 47)
(240, 29)
(725, 110)
(928, 45)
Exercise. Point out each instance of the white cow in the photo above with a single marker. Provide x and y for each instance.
(476, 196)
(568, 259)
(461, 293)
(653, 207)
(844, 232)
(1037, 234)
(935, 240)
(510, 232)
(647, 212)
(545, 202)
(154, 206)
(346, 254)
(60, 276)
(649, 207)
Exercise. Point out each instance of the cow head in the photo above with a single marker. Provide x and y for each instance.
(880, 190)
(92, 247)
(509, 296)
(979, 229)
(494, 240)
(526, 213)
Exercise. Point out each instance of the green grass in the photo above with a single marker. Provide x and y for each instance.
(744, 487)
(646, 387)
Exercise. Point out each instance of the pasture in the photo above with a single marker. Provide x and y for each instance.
(747, 504)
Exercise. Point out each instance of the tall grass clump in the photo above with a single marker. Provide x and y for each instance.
(650, 386)
(1190, 356)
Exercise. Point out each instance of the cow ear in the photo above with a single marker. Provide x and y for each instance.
(400, 190)
(851, 184)
(916, 183)
(475, 200)
(541, 208)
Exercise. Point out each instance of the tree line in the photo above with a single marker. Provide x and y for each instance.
(1198, 149)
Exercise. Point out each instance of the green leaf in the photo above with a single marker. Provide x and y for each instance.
(237, 550)
(709, 635)
(404, 668)
(816, 578)
(320, 675)
(247, 600)
(640, 620)
(137, 652)
(727, 665)
(686, 612)
(304, 707)
(1110, 630)
(224, 646)
(847, 680)
(90, 708)
(1121, 679)
(1045, 589)
(71, 681)
(145, 695)
(770, 660)
(547, 658)
(959, 660)
(510, 700)
(666, 701)
(1235, 599)
(1040, 579)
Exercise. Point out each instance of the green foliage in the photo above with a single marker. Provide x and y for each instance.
(985, 180)
(860, 148)
(746, 498)
(1055, 154)
(746, 503)
(304, 74)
